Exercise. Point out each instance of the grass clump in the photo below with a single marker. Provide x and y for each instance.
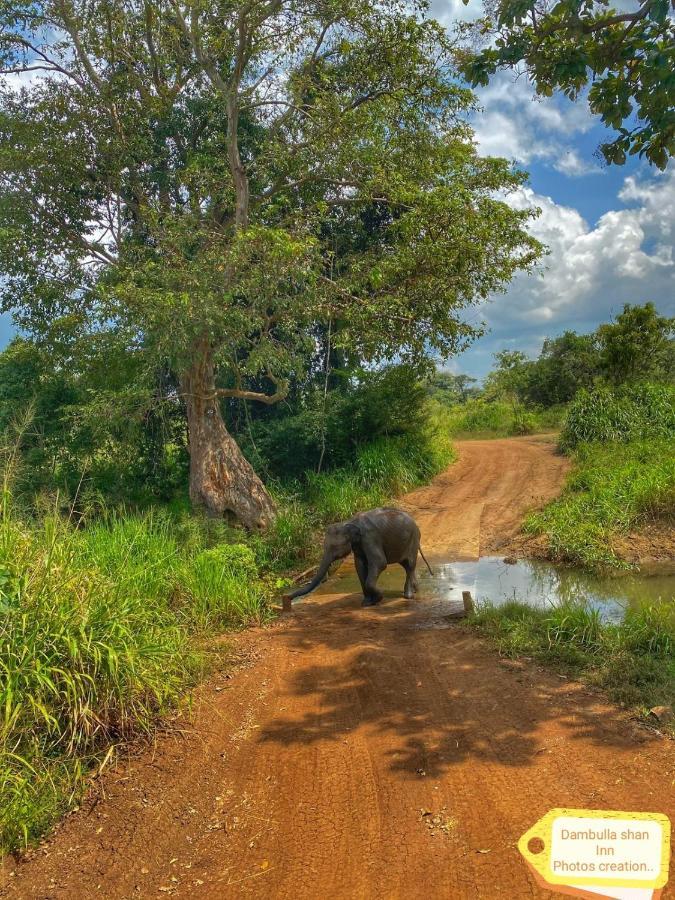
(87, 660)
(634, 412)
(634, 660)
(613, 489)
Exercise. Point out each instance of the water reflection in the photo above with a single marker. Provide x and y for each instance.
(530, 581)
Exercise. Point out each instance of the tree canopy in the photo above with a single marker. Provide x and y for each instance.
(205, 183)
(626, 55)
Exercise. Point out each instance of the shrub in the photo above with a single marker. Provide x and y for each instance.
(628, 413)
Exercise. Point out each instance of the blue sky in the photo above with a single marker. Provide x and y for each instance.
(610, 230)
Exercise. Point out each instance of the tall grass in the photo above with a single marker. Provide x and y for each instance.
(500, 418)
(631, 413)
(634, 660)
(85, 660)
(96, 644)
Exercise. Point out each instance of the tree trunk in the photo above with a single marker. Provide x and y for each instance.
(221, 478)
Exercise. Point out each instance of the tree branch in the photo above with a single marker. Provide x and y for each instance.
(241, 394)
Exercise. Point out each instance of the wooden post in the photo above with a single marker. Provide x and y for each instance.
(286, 604)
(467, 599)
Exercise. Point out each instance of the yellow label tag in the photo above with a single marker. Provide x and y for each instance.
(599, 848)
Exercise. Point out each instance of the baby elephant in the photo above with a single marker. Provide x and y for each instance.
(377, 538)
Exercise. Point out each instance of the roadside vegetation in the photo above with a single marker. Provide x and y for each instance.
(633, 660)
(611, 395)
(110, 609)
(617, 387)
(623, 446)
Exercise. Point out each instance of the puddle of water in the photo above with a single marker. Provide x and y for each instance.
(535, 582)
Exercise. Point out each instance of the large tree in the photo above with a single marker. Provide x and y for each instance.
(626, 54)
(213, 179)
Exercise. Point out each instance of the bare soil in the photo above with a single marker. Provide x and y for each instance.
(365, 753)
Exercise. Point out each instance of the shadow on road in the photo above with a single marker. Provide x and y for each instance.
(428, 694)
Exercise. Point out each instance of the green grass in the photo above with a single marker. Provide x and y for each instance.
(613, 489)
(629, 413)
(633, 661)
(98, 630)
(481, 418)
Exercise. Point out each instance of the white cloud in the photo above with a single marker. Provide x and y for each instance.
(570, 163)
(518, 125)
(450, 11)
(590, 272)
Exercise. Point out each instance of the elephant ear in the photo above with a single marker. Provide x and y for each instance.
(354, 533)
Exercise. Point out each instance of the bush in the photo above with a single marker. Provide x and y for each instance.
(629, 413)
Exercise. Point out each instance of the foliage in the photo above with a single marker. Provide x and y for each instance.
(510, 376)
(500, 418)
(637, 345)
(628, 413)
(104, 428)
(628, 57)
(634, 661)
(328, 429)
(613, 488)
(210, 189)
(565, 365)
(451, 389)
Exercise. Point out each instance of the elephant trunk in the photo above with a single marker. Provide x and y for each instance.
(315, 582)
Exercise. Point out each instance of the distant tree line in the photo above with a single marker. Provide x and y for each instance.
(637, 346)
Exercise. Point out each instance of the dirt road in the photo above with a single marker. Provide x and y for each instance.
(377, 753)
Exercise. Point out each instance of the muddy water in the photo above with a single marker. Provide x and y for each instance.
(535, 582)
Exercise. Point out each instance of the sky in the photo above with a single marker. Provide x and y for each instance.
(610, 230)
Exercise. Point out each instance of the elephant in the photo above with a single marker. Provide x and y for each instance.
(377, 538)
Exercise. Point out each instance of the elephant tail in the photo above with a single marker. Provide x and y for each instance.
(428, 566)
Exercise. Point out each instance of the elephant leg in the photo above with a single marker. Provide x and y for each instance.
(361, 564)
(376, 565)
(411, 585)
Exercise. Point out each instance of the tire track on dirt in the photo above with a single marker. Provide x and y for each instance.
(309, 772)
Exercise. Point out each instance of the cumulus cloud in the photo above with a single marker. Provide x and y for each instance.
(590, 272)
(518, 125)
